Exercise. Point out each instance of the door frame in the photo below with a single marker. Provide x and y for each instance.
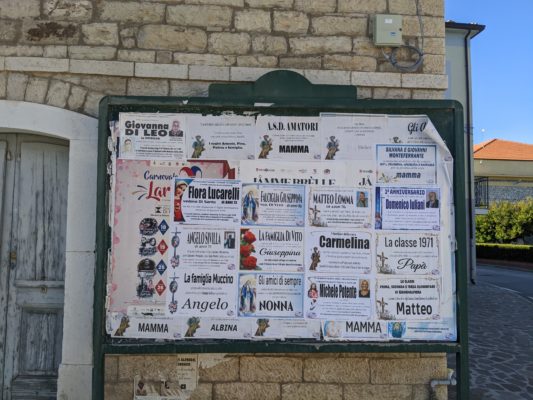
(81, 131)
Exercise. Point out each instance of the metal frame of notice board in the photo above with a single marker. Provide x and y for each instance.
(282, 93)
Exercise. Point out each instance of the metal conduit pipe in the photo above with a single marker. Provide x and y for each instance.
(435, 382)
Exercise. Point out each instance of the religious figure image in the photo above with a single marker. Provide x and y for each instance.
(262, 326)
(229, 240)
(362, 199)
(266, 146)
(198, 146)
(179, 189)
(314, 217)
(333, 147)
(175, 131)
(247, 297)
(364, 290)
(193, 323)
(250, 205)
(315, 259)
(433, 201)
(378, 222)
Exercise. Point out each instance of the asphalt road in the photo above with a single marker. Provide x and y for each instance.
(518, 281)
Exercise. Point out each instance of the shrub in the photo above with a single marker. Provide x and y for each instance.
(508, 252)
(505, 222)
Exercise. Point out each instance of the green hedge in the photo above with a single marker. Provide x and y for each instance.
(509, 252)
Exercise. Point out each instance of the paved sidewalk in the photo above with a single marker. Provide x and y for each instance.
(501, 344)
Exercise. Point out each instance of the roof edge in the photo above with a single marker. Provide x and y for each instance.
(465, 26)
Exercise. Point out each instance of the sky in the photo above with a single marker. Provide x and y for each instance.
(502, 67)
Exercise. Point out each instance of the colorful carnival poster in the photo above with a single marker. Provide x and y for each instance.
(274, 295)
(145, 136)
(338, 207)
(409, 298)
(271, 249)
(272, 205)
(337, 297)
(228, 137)
(407, 254)
(338, 252)
(206, 201)
(407, 208)
(407, 164)
(287, 138)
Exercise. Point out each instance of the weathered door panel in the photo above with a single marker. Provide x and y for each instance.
(35, 303)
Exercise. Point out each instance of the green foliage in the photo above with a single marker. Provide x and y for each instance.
(508, 252)
(505, 222)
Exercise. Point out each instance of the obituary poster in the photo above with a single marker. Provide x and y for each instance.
(407, 164)
(287, 138)
(272, 249)
(338, 252)
(228, 137)
(407, 254)
(274, 205)
(354, 329)
(206, 201)
(407, 208)
(337, 297)
(276, 328)
(339, 207)
(146, 136)
(271, 295)
(409, 298)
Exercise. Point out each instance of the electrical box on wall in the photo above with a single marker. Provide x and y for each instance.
(388, 30)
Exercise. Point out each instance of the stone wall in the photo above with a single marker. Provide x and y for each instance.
(70, 53)
(368, 376)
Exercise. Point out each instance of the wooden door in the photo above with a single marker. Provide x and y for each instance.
(36, 210)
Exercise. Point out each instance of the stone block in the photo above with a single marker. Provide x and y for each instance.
(151, 70)
(311, 391)
(92, 52)
(432, 7)
(8, 30)
(246, 391)
(433, 26)
(92, 102)
(332, 25)
(257, 61)
(21, 51)
(57, 51)
(233, 3)
(407, 371)
(50, 32)
(208, 73)
(165, 37)
(270, 45)
(110, 368)
(362, 6)
(75, 101)
(128, 43)
(105, 84)
(387, 93)
(2, 63)
(271, 369)
(136, 55)
(336, 370)
(68, 10)
(364, 46)
(252, 20)
(403, 7)
(147, 87)
(197, 15)
(16, 86)
(328, 77)
(163, 57)
(424, 94)
(320, 45)
(376, 79)
(189, 88)
(301, 62)
(134, 12)
(378, 392)
(347, 62)
(246, 74)
(434, 46)
(36, 90)
(422, 392)
(291, 22)
(100, 34)
(204, 59)
(434, 64)
(3, 84)
(218, 370)
(116, 68)
(315, 6)
(38, 64)
(364, 93)
(204, 391)
(424, 81)
(58, 94)
(18, 9)
(269, 3)
(229, 43)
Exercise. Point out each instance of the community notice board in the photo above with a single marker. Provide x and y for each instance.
(336, 227)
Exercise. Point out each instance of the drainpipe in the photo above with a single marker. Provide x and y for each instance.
(433, 384)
